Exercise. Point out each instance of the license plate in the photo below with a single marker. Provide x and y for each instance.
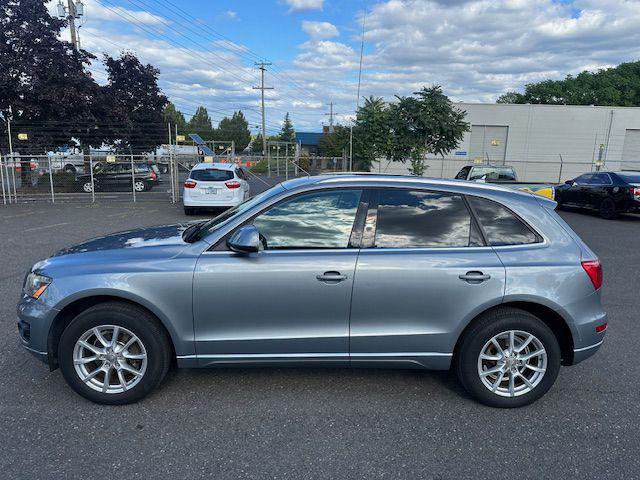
(212, 191)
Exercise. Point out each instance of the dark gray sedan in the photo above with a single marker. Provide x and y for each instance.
(339, 271)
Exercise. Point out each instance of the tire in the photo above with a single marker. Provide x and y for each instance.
(87, 187)
(477, 340)
(140, 186)
(189, 211)
(607, 209)
(154, 344)
(70, 169)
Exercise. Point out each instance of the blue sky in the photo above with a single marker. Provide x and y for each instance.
(475, 49)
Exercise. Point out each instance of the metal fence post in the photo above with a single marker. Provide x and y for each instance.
(173, 187)
(560, 172)
(13, 176)
(53, 196)
(133, 179)
(93, 186)
(286, 161)
(269, 160)
(4, 198)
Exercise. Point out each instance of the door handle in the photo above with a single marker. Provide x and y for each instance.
(331, 277)
(474, 277)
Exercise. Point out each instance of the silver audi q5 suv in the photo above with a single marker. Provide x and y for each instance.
(339, 271)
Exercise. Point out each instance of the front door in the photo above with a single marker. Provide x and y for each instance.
(425, 273)
(288, 303)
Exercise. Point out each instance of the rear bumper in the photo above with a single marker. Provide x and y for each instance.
(580, 354)
(210, 203)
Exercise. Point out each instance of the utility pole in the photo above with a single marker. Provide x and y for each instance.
(262, 88)
(73, 11)
(330, 116)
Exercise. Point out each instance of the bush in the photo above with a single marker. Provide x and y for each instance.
(260, 167)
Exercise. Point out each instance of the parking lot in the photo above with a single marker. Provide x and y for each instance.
(290, 423)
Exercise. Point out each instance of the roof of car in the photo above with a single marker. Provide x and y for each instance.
(373, 179)
(219, 166)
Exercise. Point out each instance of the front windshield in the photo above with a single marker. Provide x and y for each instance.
(216, 222)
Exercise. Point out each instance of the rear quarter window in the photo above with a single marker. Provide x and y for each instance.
(500, 225)
(211, 175)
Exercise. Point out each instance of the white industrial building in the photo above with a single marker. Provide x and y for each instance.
(545, 143)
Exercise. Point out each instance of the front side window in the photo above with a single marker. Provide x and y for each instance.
(314, 220)
(421, 219)
(500, 225)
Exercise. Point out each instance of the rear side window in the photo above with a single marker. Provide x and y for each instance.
(629, 177)
(211, 175)
(500, 225)
(413, 218)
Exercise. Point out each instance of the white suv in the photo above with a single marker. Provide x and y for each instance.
(214, 185)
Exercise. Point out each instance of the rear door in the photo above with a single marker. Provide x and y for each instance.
(422, 274)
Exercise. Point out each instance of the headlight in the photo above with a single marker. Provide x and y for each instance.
(35, 284)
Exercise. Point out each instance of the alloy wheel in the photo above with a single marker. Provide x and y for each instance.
(110, 359)
(512, 363)
(138, 186)
(87, 187)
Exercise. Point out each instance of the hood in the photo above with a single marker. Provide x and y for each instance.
(161, 236)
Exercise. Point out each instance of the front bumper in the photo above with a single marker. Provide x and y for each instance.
(34, 324)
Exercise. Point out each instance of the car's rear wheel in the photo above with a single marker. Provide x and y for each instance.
(607, 209)
(508, 358)
(114, 353)
(140, 186)
(87, 187)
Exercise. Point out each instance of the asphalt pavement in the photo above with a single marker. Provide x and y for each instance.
(314, 423)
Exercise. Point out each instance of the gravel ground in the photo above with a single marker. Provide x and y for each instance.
(313, 423)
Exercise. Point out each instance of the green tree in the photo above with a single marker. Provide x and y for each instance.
(617, 86)
(511, 97)
(334, 144)
(42, 80)
(426, 123)
(235, 128)
(200, 124)
(172, 116)
(371, 133)
(136, 103)
(287, 133)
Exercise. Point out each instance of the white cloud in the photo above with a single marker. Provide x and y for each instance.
(303, 5)
(320, 30)
(476, 49)
(232, 14)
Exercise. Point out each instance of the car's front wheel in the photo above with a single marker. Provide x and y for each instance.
(114, 353)
(508, 358)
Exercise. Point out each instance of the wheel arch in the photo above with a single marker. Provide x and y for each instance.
(77, 306)
(546, 314)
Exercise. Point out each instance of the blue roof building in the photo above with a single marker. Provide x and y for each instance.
(308, 142)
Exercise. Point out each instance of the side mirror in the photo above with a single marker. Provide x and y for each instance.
(569, 182)
(245, 240)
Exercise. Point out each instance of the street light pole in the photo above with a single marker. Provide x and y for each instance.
(262, 88)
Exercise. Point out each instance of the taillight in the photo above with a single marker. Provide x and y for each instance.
(232, 184)
(153, 175)
(190, 184)
(635, 191)
(594, 270)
